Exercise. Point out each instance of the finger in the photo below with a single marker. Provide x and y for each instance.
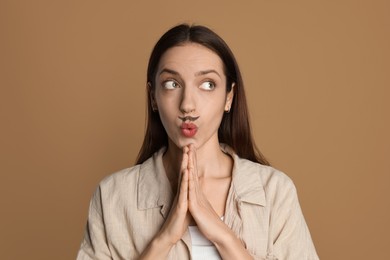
(183, 191)
(184, 161)
(183, 179)
(192, 166)
(195, 162)
(183, 166)
(190, 157)
(192, 178)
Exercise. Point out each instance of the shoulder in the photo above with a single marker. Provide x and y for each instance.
(247, 173)
(121, 177)
(120, 183)
(129, 180)
(266, 176)
(263, 185)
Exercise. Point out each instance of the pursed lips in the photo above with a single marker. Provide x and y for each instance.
(188, 128)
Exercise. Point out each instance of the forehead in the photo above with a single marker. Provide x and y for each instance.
(190, 57)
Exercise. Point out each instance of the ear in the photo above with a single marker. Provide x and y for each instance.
(229, 99)
(151, 96)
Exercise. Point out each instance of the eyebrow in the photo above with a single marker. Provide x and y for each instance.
(204, 72)
(200, 73)
(169, 71)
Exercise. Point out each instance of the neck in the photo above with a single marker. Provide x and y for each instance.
(211, 162)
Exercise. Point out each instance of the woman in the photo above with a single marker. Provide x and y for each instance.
(200, 188)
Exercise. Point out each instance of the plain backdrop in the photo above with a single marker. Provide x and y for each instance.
(72, 107)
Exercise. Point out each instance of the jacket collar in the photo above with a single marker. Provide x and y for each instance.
(246, 179)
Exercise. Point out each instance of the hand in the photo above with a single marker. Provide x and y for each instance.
(179, 217)
(208, 221)
(177, 221)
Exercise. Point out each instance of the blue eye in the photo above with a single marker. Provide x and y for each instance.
(207, 85)
(170, 84)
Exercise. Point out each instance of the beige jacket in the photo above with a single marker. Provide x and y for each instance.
(262, 208)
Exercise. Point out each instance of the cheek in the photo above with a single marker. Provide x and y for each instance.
(212, 113)
(214, 105)
(167, 113)
(165, 103)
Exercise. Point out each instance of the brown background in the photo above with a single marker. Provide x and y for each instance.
(73, 100)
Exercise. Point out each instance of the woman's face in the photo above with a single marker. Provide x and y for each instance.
(190, 94)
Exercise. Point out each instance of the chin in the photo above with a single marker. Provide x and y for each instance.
(188, 143)
(182, 143)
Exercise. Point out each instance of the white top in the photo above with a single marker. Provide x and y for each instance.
(202, 248)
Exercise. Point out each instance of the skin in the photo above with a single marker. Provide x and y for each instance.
(190, 81)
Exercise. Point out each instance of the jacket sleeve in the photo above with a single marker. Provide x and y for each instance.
(94, 244)
(289, 232)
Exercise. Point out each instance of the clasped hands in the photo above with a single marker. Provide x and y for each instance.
(190, 202)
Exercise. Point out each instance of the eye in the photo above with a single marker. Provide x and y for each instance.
(170, 84)
(207, 85)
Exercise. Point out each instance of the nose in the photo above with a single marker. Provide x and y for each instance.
(187, 104)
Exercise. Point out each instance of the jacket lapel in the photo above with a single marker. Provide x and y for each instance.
(154, 189)
(246, 202)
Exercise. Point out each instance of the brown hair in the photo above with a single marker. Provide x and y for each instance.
(235, 128)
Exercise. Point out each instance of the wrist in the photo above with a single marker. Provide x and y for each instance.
(225, 240)
(158, 248)
(162, 241)
(230, 246)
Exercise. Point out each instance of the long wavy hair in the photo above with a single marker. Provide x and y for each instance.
(235, 129)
